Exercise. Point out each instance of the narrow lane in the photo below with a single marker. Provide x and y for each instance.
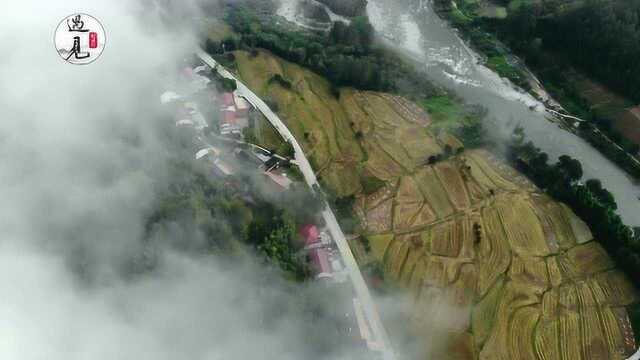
(360, 286)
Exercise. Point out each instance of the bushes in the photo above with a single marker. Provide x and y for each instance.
(371, 184)
(278, 79)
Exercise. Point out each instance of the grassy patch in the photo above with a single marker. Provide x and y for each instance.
(443, 109)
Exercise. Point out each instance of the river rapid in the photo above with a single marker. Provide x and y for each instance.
(413, 27)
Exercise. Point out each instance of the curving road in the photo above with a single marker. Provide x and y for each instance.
(360, 287)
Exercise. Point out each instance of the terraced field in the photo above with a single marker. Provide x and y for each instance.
(523, 268)
(496, 270)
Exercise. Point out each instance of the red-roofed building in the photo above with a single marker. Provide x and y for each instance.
(320, 262)
(310, 234)
(227, 100)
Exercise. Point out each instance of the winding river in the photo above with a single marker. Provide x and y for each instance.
(414, 27)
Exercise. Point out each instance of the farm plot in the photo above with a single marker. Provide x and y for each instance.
(555, 273)
(613, 338)
(464, 288)
(613, 288)
(433, 192)
(356, 115)
(556, 223)
(479, 157)
(515, 296)
(405, 214)
(521, 330)
(569, 323)
(419, 144)
(380, 164)
(522, 227)
(379, 218)
(485, 312)
(398, 253)
(531, 271)
(546, 339)
(453, 184)
(494, 253)
(448, 238)
(580, 229)
(379, 245)
(589, 258)
(415, 253)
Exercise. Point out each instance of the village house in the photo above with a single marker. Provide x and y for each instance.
(234, 113)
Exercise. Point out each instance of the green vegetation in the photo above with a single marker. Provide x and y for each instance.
(348, 8)
(371, 184)
(552, 39)
(467, 17)
(346, 56)
(595, 205)
(229, 224)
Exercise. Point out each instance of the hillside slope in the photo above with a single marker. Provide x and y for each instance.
(519, 274)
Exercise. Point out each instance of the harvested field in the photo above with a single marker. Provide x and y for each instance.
(556, 223)
(472, 240)
(405, 214)
(379, 245)
(451, 141)
(594, 345)
(522, 227)
(589, 258)
(398, 256)
(424, 217)
(435, 272)
(613, 288)
(555, 274)
(485, 312)
(499, 343)
(408, 110)
(434, 192)
(377, 198)
(614, 337)
(480, 158)
(531, 271)
(416, 251)
(380, 164)
(454, 185)
(419, 144)
(378, 219)
(546, 339)
(464, 288)
(408, 191)
(417, 277)
(521, 331)
(494, 253)
(580, 229)
(446, 239)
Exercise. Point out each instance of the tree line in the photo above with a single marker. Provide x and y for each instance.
(347, 55)
(590, 201)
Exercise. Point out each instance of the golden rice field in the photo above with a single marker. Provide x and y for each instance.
(496, 270)
(521, 267)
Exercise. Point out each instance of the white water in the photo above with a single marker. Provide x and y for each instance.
(412, 26)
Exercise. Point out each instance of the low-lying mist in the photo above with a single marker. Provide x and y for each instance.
(83, 153)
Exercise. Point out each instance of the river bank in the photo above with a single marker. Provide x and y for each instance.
(414, 28)
(570, 109)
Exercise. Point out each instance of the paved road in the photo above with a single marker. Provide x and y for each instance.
(360, 287)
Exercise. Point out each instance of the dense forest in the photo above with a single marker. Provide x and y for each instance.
(347, 55)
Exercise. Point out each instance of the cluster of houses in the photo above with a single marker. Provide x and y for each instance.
(234, 113)
(230, 154)
(325, 261)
